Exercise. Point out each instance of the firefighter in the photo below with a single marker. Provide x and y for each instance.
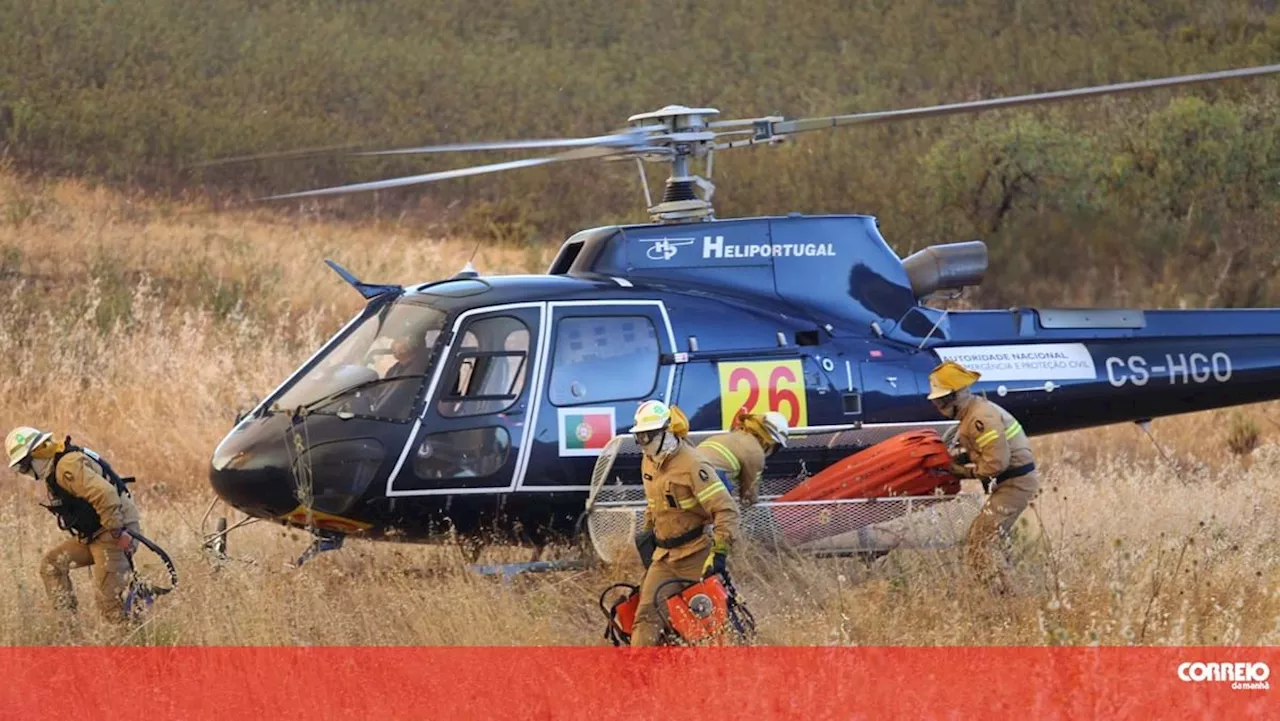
(683, 494)
(994, 449)
(92, 503)
(740, 453)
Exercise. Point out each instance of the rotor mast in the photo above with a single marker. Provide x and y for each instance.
(688, 138)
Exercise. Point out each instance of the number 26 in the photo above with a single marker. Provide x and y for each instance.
(777, 395)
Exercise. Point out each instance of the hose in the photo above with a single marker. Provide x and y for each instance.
(142, 590)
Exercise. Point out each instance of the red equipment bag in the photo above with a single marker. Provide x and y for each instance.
(915, 463)
(908, 464)
(707, 610)
(699, 611)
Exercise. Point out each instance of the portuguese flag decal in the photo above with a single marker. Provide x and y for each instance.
(585, 431)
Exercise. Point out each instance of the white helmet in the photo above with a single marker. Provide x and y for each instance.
(651, 416)
(776, 424)
(22, 441)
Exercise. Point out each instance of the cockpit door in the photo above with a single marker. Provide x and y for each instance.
(473, 434)
(604, 358)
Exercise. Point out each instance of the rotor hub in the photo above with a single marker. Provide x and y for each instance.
(676, 117)
(683, 134)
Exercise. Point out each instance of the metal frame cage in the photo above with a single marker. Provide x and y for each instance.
(615, 507)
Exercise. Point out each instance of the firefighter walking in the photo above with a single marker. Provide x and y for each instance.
(740, 453)
(683, 494)
(999, 454)
(91, 503)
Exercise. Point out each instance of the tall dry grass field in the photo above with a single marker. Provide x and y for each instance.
(141, 328)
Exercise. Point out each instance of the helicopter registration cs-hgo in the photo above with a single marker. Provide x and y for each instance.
(482, 404)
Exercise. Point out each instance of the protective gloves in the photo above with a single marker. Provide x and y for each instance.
(716, 561)
(961, 471)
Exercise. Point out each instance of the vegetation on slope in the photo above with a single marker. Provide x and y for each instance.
(1084, 201)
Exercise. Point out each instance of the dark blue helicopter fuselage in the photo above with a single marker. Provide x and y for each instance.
(815, 317)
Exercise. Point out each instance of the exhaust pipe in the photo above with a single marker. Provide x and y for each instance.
(946, 267)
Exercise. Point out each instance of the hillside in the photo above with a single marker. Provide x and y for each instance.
(1174, 192)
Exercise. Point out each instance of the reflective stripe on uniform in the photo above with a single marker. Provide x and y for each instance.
(986, 439)
(728, 456)
(687, 503)
(711, 490)
(1013, 430)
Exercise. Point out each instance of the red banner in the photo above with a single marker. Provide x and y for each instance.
(607, 684)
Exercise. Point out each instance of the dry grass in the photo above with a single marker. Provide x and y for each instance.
(171, 318)
(1141, 549)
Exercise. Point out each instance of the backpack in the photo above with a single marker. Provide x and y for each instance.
(75, 514)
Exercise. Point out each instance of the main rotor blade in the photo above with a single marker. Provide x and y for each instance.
(299, 153)
(614, 139)
(804, 124)
(578, 154)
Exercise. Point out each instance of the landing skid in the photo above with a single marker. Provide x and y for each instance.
(509, 571)
(324, 541)
(215, 543)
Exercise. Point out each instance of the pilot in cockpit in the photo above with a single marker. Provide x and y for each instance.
(411, 357)
(410, 354)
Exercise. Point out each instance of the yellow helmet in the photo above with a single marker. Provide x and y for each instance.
(651, 416)
(950, 377)
(22, 441)
(679, 422)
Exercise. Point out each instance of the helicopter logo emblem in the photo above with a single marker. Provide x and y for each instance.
(665, 248)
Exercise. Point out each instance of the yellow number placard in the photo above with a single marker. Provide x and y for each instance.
(763, 386)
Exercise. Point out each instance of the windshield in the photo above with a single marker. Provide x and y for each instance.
(378, 370)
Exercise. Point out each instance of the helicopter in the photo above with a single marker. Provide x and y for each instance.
(494, 405)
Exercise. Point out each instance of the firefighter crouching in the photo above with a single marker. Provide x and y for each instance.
(683, 494)
(741, 452)
(88, 504)
(999, 454)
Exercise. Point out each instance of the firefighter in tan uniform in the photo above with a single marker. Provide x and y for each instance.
(999, 454)
(740, 453)
(683, 494)
(95, 510)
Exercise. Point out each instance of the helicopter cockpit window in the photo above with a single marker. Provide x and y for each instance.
(378, 370)
(610, 358)
(488, 370)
